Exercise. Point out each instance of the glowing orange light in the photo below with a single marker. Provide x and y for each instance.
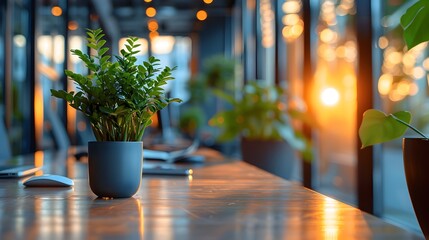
(291, 33)
(414, 89)
(328, 36)
(148, 1)
(38, 158)
(208, 1)
(291, 7)
(330, 96)
(73, 25)
(150, 12)
(383, 42)
(56, 11)
(153, 34)
(152, 25)
(201, 15)
(385, 84)
(290, 19)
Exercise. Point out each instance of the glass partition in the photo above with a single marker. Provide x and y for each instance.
(19, 111)
(402, 85)
(334, 99)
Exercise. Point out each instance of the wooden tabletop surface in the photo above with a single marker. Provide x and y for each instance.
(222, 200)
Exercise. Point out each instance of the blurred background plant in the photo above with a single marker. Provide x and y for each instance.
(261, 112)
(218, 73)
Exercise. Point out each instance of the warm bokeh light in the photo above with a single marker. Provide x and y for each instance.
(290, 19)
(385, 84)
(73, 25)
(267, 23)
(208, 1)
(38, 158)
(150, 12)
(38, 111)
(408, 60)
(56, 11)
(291, 6)
(394, 58)
(403, 87)
(152, 25)
(351, 51)
(148, 1)
(291, 33)
(201, 15)
(383, 42)
(75, 42)
(328, 36)
(59, 53)
(327, 52)
(143, 48)
(414, 89)
(329, 96)
(153, 34)
(162, 44)
(328, 14)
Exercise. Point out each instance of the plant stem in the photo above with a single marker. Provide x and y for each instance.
(408, 125)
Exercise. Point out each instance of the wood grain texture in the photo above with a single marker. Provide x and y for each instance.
(222, 200)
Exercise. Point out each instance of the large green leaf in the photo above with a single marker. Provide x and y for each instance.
(377, 127)
(414, 22)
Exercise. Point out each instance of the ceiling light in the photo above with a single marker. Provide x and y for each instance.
(201, 15)
(56, 11)
(150, 12)
(73, 25)
(152, 25)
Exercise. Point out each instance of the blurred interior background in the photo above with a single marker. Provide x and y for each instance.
(331, 58)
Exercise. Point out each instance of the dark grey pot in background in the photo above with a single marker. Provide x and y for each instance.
(115, 168)
(276, 157)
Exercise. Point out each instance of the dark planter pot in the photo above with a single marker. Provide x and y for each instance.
(276, 157)
(416, 164)
(115, 168)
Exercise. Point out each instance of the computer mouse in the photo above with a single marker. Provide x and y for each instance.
(48, 180)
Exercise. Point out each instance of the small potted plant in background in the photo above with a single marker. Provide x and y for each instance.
(263, 121)
(218, 73)
(119, 99)
(379, 127)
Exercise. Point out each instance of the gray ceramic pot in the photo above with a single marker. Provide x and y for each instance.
(276, 157)
(115, 168)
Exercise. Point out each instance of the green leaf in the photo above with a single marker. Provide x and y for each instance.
(377, 127)
(414, 22)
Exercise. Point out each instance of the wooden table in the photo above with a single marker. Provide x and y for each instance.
(222, 200)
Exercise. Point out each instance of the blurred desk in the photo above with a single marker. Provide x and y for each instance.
(222, 200)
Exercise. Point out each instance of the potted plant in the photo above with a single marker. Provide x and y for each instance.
(119, 99)
(262, 120)
(378, 127)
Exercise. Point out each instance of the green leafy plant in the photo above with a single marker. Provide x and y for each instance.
(120, 97)
(260, 113)
(377, 126)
